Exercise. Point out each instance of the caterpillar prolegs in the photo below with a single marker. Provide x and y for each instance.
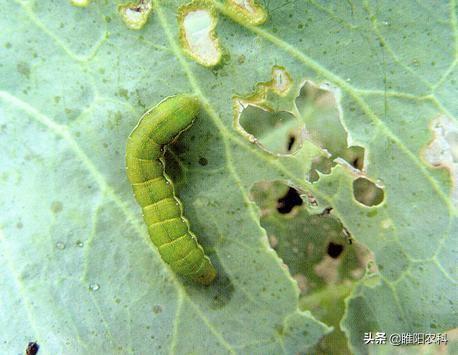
(162, 210)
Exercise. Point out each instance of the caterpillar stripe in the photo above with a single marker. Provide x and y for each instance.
(154, 191)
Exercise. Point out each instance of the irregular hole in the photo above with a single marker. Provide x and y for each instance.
(355, 156)
(334, 250)
(366, 192)
(267, 116)
(286, 203)
(272, 130)
(247, 11)
(321, 164)
(197, 34)
(267, 94)
(442, 152)
(319, 109)
(135, 14)
(80, 3)
(281, 80)
(302, 239)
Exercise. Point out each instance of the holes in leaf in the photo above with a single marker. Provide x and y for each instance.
(267, 116)
(278, 132)
(247, 11)
(355, 156)
(80, 3)
(281, 80)
(442, 152)
(197, 34)
(287, 202)
(334, 250)
(313, 246)
(366, 192)
(319, 109)
(135, 14)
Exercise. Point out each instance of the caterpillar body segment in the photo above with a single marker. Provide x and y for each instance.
(154, 191)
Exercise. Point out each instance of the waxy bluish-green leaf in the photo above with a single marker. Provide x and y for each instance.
(79, 274)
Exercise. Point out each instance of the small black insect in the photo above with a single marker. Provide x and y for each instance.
(326, 212)
(32, 348)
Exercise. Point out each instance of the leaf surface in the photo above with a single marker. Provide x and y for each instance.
(79, 274)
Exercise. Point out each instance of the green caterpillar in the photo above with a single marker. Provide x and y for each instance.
(154, 191)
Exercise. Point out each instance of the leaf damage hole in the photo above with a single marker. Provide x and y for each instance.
(442, 151)
(274, 131)
(135, 15)
(267, 116)
(247, 11)
(197, 33)
(312, 247)
(320, 109)
(357, 163)
(281, 80)
(334, 250)
(367, 193)
(80, 3)
(286, 203)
